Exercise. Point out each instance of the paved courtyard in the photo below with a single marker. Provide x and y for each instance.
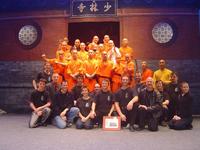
(15, 134)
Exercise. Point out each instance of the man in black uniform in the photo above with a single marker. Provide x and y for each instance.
(103, 103)
(182, 119)
(45, 74)
(149, 109)
(77, 89)
(139, 86)
(63, 110)
(173, 91)
(126, 103)
(54, 86)
(39, 103)
(96, 90)
(164, 100)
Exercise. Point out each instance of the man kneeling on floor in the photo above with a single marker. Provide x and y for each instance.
(63, 110)
(39, 103)
(85, 114)
(126, 103)
(149, 109)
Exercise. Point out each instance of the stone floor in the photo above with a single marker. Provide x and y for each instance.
(15, 134)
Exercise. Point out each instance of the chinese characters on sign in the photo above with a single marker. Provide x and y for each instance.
(85, 8)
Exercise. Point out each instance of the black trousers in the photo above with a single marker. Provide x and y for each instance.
(146, 117)
(130, 115)
(171, 110)
(164, 116)
(182, 124)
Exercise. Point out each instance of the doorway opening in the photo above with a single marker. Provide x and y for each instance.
(86, 30)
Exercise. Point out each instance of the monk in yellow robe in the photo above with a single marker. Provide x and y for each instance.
(162, 73)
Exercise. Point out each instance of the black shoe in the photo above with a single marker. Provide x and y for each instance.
(139, 128)
(45, 124)
(189, 127)
(131, 128)
(163, 123)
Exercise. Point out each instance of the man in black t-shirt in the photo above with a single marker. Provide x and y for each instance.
(96, 90)
(39, 103)
(77, 89)
(103, 103)
(85, 106)
(126, 103)
(173, 92)
(54, 86)
(63, 110)
(45, 74)
(139, 86)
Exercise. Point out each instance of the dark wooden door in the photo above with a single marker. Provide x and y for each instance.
(86, 30)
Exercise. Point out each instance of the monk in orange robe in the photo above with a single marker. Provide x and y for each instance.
(74, 68)
(90, 68)
(106, 39)
(58, 64)
(146, 72)
(97, 51)
(82, 54)
(65, 48)
(129, 69)
(117, 72)
(76, 46)
(125, 49)
(105, 67)
(94, 43)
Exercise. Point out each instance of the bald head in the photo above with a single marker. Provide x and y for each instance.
(104, 55)
(95, 39)
(144, 65)
(149, 83)
(124, 42)
(162, 64)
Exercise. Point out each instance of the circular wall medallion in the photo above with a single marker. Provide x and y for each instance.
(162, 32)
(27, 35)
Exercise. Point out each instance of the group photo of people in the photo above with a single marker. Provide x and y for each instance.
(85, 82)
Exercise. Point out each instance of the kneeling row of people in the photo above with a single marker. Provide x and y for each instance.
(143, 109)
